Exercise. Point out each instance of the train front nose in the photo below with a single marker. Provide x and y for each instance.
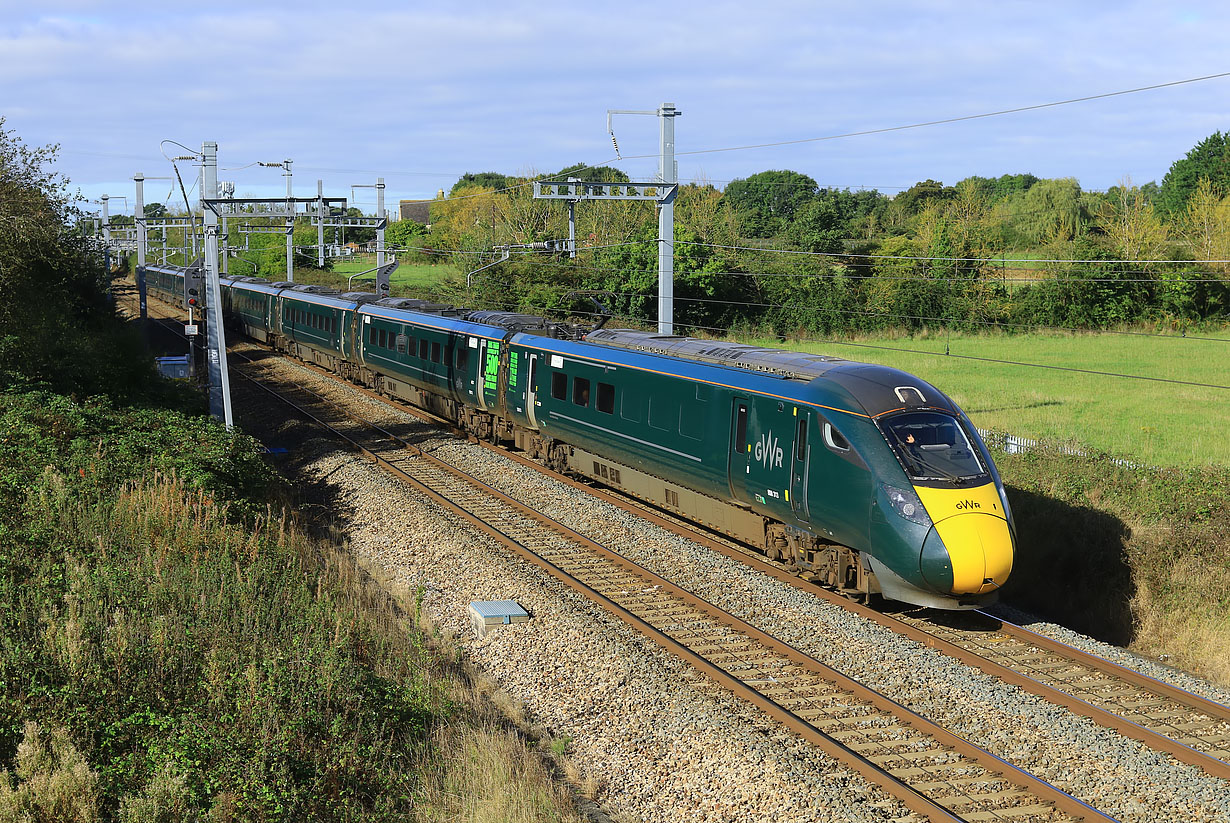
(968, 552)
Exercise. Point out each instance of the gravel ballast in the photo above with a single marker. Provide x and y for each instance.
(664, 742)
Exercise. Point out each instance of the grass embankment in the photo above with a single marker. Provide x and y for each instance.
(406, 278)
(1144, 421)
(173, 649)
(1137, 556)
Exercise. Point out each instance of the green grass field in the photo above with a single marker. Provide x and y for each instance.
(1151, 422)
(408, 275)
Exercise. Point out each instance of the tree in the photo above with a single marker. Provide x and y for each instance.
(155, 211)
(484, 179)
(1210, 158)
(590, 174)
(918, 196)
(766, 201)
(817, 227)
(57, 327)
(1132, 226)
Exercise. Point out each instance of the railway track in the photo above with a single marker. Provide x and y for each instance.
(1186, 726)
(932, 771)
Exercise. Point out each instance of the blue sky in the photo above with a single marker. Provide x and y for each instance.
(421, 93)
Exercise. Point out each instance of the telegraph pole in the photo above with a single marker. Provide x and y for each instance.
(320, 224)
(290, 226)
(668, 176)
(139, 219)
(668, 173)
(381, 215)
(219, 378)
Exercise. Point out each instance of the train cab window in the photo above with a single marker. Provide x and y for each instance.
(580, 391)
(559, 385)
(384, 341)
(800, 440)
(741, 428)
(463, 358)
(833, 438)
(606, 398)
(401, 344)
(933, 446)
(423, 349)
(435, 352)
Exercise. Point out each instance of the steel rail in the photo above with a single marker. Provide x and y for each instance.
(1211, 765)
(913, 799)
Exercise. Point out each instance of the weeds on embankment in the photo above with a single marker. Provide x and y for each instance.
(1133, 555)
(173, 648)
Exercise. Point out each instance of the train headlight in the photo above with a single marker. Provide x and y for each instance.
(906, 503)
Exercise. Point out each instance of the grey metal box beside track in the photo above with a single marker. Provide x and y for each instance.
(485, 615)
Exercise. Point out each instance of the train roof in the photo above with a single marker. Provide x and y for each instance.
(832, 382)
(257, 284)
(443, 321)
(791, 365)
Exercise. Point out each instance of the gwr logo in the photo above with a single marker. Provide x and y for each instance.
(969, 504)
(768, 451)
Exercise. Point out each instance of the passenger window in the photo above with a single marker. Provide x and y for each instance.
(606, 398)
(371, 335)
(435, 352)
(559, 385)
(741, 428)
(833, 438)
(463, 358)
(384, 339)
(800, 441)
(580, 391)
(423, 349)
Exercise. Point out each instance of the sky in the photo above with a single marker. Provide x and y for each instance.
(421, 93)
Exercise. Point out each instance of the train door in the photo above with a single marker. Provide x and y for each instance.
(531, 391)
(798, 470)
(740, 449)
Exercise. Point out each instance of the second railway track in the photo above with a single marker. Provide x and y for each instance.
(931, 770)
(1192, 725)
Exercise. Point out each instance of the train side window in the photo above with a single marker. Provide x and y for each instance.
(800, 441)
(384, 342)
(559, 385)
(833, 438)
(435, 352)
(401, 344)
(606, 398)
(580, 391)
(463, 358)
(741, 428)
(423, 349)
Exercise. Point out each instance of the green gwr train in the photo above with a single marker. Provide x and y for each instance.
(863, 477)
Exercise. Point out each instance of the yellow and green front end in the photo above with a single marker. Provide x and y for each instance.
(969, 548)
(941, 530)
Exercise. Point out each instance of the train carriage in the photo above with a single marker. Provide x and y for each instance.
(864, 477)
(248, 303)
(312, 322)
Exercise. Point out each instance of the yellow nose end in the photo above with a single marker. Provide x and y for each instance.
(980, 547)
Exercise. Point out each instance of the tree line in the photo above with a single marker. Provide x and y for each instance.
(776, 252)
